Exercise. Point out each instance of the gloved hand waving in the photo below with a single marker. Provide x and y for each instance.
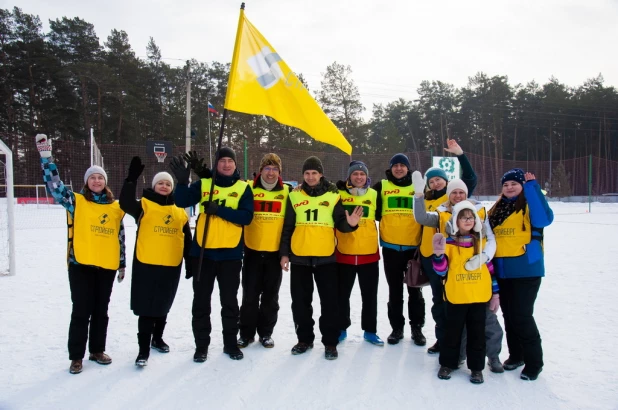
(135, 169)
(419, 184)
(181, 171)
(44, 145)
(439, 244)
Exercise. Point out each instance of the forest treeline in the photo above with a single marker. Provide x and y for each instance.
(66, 81)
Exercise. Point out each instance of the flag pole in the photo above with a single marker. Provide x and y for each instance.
(217, 153)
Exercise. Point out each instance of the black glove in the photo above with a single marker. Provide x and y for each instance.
(180, 171)
(211, 208)
(197, 165)
(188, 272)
(135, 169)
(332, 188)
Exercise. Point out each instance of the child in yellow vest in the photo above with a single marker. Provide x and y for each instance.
(468, 286)
(163, 239)
(95, 252)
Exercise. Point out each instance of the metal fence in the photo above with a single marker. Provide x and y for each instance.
(580, 175)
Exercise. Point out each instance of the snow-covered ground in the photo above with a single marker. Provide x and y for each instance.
(576, 312)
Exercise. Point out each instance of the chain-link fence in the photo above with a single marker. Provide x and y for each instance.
(559, 178)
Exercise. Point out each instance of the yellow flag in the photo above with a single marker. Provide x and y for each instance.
(261, 83)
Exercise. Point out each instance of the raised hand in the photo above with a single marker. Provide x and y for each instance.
(419, 183)
(44, 145)
(453, 147)
(355, 217)
(197, 164)
(529, 176)
(135, 169)
(181, 171)
(439, 244)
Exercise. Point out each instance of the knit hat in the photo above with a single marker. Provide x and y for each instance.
(457, 209)
(515, 174)
(226, 152)
(357, 166)
(435, 172)
(400, 159)
(313, 163)
(162, 176)
(456, 184)
(271, 159)
(95, 169)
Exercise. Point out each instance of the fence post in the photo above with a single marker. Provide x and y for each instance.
(589, 183)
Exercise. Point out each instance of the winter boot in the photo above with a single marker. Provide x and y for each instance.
(476, 377)
(529, 375)
(417, 335)
(157, 337)
(512, 364)
(495, 366)
(143, 340)
(244, 341)
(100, 358)
(76, 366)
(234, 352)
(330, 353)
(343, 335)
(267, 342)
(444, 373)
(373, 338)
(395, 336)
(301, 347)
(435, 349)
(200, 355)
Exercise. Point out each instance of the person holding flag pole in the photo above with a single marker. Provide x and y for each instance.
(260, 83)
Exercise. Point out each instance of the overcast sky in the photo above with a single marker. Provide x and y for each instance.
(391, 45)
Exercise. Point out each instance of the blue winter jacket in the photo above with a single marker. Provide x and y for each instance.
(531, 264)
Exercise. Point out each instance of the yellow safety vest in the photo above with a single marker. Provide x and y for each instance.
(221, 233)
(314, 233)
(444, 217)
(397, 225)
(428, 232)
(363, 241)
(511, 239)
(264, 232)
(463, 286)
(160, 239)
(95, 233)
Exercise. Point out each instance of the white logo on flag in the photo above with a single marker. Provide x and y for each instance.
(264, 65)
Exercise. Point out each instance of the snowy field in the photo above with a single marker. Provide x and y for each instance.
(576, 312)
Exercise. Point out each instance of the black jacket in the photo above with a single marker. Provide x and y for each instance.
(153, 287)
(289, 225)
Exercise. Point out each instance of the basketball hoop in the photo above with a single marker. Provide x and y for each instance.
(161, 156)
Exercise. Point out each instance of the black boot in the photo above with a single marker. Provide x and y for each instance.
(417, 335)
(157, 336)
(143, 339)
(395, 336)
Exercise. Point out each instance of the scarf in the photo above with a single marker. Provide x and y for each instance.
(266, 185)
(503, 210)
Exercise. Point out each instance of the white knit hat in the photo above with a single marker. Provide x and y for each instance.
(458, 208)
(95, 169)
(162, 176)
(456, 184)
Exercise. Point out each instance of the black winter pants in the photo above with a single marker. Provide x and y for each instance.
(471, 315)
(227, 274)
(91, 289)
(395, 265)
(301, 288)
(261, 280)
(368, 277)
(438, 308)
(517, 297)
